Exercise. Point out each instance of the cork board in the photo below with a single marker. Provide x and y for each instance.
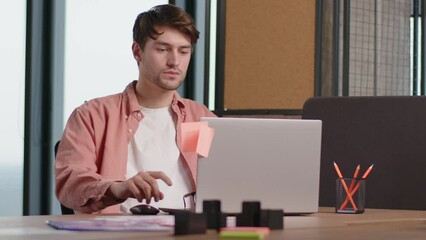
(269, 54)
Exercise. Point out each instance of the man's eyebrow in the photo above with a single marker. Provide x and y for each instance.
(168, 44)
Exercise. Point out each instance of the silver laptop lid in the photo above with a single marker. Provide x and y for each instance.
(274, 161)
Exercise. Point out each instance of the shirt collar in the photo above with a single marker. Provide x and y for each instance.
(178, 100)
(133, 105)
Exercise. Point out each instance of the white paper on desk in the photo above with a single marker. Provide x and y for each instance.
(136, 223)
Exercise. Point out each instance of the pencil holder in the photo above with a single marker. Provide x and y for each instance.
(350, 195)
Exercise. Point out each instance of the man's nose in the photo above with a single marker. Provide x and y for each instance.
(173, 58)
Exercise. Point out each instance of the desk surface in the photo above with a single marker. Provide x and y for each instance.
(373, 224)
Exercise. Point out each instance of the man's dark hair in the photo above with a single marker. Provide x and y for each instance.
(163, 15)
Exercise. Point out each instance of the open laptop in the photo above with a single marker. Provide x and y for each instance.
(274, 161)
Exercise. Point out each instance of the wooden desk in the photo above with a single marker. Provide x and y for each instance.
(373, 224)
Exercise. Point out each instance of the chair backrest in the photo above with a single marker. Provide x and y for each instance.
(387, 131)
(64, 210)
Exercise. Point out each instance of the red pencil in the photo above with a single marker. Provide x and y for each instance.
(367, 172)
(345, 186)
(354, 177)
(351, 187)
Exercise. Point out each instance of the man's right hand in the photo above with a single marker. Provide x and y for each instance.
(141, 186)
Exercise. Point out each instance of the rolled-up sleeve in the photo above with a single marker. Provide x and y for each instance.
(78, 184)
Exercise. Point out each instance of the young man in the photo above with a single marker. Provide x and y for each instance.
(119, 150)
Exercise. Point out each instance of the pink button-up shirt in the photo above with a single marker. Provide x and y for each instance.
(93, 150)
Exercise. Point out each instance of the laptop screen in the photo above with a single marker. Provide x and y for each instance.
(274, 161)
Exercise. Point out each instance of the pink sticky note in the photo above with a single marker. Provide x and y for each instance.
(205, 139)
(197, 137)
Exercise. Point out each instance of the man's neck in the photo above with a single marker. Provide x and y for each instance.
(150, 96)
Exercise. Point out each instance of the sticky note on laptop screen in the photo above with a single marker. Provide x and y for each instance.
(197, 137)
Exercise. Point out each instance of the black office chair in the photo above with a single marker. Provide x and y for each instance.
(64, 210)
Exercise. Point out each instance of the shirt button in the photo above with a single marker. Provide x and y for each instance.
(139, 115)
(130, 130)
(126, 117)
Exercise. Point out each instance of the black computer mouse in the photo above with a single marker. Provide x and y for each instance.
(144, 209)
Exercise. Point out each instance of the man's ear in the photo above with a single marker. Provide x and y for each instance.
(136, 52)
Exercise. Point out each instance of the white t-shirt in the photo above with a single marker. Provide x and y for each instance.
(153, 148)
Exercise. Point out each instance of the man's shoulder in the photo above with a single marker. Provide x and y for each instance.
(102, 104)
(104, 100)
(196, 108)
(191, 103)
(113, 100)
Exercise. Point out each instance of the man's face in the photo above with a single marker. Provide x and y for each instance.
(164, 61)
